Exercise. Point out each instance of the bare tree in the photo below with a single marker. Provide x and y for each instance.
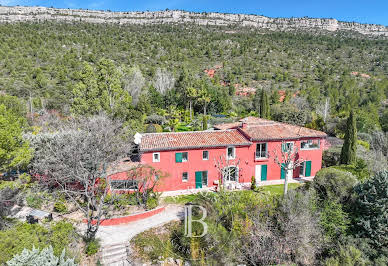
(225, 168)
(144, 180)
(323, 109)
(75, 159)
(134, 83)
(163, 80)
(288, 160)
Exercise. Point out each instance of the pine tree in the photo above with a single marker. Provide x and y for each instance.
(349, 148)
(264, 105)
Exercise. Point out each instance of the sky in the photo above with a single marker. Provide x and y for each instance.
(372, 11)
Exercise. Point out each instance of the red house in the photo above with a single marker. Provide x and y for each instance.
(246, 148)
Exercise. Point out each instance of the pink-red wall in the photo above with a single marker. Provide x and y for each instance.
(245, 154)
(195, 163)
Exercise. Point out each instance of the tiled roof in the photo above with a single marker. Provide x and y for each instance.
(271, 130)
(227, 125)
(191, 140)
(262, 129)
(248, 120)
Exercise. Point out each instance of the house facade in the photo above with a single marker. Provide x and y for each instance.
(239, 151)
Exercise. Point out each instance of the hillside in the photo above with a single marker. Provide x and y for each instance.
(40, 14)
(165, 67)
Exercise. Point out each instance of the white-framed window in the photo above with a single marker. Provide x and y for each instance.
(156, 157)
(185, 176)
(157, 177)
(310, 144)
(231, 153)
(287, 146)
(205, 155)
(185, 156)
(261, 150)
(231, 173)
(123, 184)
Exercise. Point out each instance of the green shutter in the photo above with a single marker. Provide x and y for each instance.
(282, 172)
(198, 179)
(178, 157)
(263, 172)
(283, 147)
(308, 168)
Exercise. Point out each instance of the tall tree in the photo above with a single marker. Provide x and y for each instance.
(261, 102)
(349, 148)
(99, 89)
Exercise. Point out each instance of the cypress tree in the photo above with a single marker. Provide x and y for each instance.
(349, 148)
(264, 105)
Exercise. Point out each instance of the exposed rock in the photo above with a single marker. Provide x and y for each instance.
(39, 14)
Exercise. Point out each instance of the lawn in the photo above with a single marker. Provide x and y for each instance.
(272, 190)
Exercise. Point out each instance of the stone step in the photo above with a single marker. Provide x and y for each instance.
(108, 255)
(112, 260)
(119, 263)
(113, 249)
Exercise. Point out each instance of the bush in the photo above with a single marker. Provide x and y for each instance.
(154, 128)
(92, 247)
(34, 201)
(155, 119)
(360, 169)
(60, 206)
(152, 202)
(36, 257)
(59, 235)
(370, 206)
(333, 220)
(333, 184)
(253, 183)
(347, 256)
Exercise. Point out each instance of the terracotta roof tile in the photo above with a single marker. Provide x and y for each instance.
(190, 140)
(271, 130)
(262, 129)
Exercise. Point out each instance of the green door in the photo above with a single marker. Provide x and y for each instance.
(198, 179)
(308, 168)
(282, 172)
(263, 172)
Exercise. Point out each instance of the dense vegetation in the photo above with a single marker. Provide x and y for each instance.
(335, 220)
(58, 80)
(158, 66)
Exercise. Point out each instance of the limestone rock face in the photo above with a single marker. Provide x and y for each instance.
(39, 14)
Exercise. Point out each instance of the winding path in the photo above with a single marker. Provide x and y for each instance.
(115, 239)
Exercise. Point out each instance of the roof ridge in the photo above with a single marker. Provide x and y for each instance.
(182, 132)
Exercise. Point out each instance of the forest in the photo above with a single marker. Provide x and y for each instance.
(73, 93)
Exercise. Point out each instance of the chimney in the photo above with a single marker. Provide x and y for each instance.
(244, 125)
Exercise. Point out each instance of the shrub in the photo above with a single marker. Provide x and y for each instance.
(92, 247)
(155, 119)
(60, 206)
(347, 256)
(370, 205)
(253, 183)
(154, 128)
(45, 257)
(333, 184)
(333, 219)
(23, 235)
(152, 202)
(359, 169)
(34, 201)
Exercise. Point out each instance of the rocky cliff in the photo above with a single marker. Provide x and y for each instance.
(39, 14)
